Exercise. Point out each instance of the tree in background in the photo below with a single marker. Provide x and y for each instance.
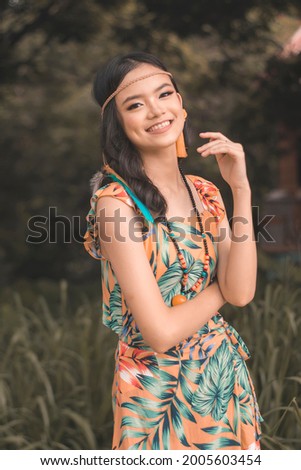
(49, 53)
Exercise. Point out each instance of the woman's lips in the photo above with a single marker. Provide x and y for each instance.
(160, 127)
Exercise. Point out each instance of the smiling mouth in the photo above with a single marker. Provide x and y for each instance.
(159, 126)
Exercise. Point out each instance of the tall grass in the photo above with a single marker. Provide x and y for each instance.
(56, 369)
(55, 376)
(271, 327)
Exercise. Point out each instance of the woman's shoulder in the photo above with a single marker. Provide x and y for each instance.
(119, 192)
(115, 190)
(91, 238)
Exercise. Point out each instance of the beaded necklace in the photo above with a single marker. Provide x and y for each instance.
(181, 298)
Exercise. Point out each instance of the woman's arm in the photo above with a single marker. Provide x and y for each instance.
(161, 326)
(237, 258)
(237, 264)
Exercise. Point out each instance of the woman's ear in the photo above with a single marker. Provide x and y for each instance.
(180, 98)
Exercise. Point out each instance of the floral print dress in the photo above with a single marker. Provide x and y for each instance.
(198, 394)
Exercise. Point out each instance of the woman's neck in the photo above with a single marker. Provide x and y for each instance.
(166, 176)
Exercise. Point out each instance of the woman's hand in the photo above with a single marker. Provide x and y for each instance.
(230, 157)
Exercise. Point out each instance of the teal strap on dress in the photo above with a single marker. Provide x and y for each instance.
(139, 204)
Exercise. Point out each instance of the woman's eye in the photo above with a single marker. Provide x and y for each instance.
(134, 106)
(166, 93)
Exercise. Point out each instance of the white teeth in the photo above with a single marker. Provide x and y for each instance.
(159, 126)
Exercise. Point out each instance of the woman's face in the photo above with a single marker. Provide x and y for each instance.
(150, 110)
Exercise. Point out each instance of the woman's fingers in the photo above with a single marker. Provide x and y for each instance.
(216, 150)
(212, 146)
(215, 135)
(219, 144)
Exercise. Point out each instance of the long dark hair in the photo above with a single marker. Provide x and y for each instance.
(117, 149)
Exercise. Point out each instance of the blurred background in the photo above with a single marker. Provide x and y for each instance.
(238, 66)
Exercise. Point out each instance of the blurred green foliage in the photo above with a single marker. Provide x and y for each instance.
(220, 54)
(55, 369)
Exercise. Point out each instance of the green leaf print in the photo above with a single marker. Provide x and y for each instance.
(245, 407)
(226, 421)
(147, 403)
(166, 432)
(164, 249)
(216, 385)
(115, 307)
(186, 389)
(112, 322)
(156, 441)
(219, 443)
(152, 258)
(144, 444)
(135, 446)
(141, 411)
(179, 231)
(188, 373)
(137, 423)
(167, 377)
(211, 238)
(178, 425)
(190, 244)
(185, 410)
(236, 414)
(153, 386)
(169, 362)
(241, 372)
(131, 433)
(115, 297)
(189, 367)
(169, 282)
(215, 430)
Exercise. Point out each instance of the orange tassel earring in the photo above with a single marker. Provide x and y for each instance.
(180, 143)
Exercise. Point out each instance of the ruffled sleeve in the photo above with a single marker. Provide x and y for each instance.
(208, 193)
(91, 237)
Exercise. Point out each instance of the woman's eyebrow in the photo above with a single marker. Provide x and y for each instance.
(134, 97)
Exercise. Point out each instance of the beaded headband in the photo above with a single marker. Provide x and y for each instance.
(125, 85)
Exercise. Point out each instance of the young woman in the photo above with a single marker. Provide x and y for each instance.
(169, 262)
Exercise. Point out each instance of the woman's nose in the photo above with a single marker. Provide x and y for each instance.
(155, 108)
